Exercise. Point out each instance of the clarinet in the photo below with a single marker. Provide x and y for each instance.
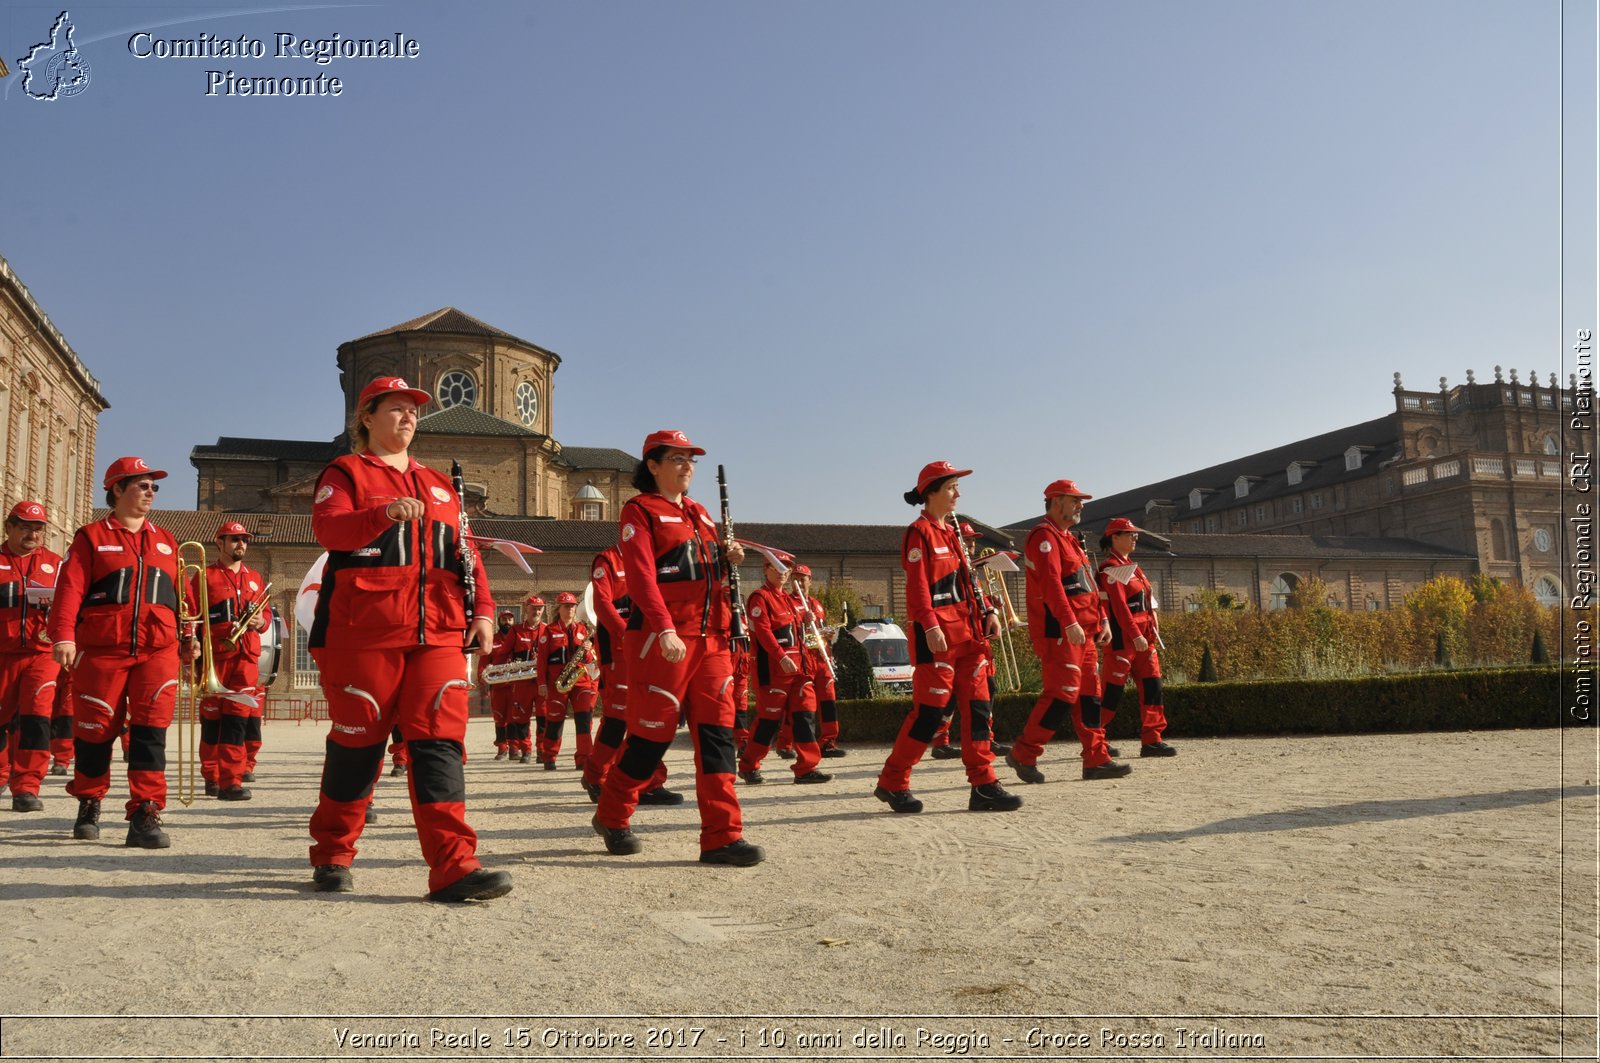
(738, 631)
(469, 576)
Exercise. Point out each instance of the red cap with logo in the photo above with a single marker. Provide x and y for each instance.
(1121, 524)
(969, 532)
(390, 385)
(1064, 488)
(231, 527)
(534, 599)
(123, 468)
(506, 614)
(566, 598)
(669, 437)
(938, 470)
(802, 570)
(26, 510)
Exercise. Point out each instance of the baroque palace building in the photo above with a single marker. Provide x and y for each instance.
(49, 409)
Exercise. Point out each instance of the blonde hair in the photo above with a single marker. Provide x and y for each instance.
(360, 437)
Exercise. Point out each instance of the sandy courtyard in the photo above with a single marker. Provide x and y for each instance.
(1402, 895)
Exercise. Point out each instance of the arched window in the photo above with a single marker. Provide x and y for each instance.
(1282, 588)
(1546, 591)
(1497, 540)
(457, 388)
(1552, 446)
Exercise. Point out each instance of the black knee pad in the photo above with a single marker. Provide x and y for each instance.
(93, 758)
(640, 756)
(805, 727)
(252, 729)
(611, 731)
(928, 721)
(436, 773)
(1112, 698)
(553, 728)
(1152, 690)
(209, 729)
(60, 727)
(33, 732)
(829, 711)
(348, 774)
(981, 713)
(1089, 710)
(766, 731)
(717, 755)
(147, 748)
(231, 731)
(1055, 714)
(583, 721)
(742, 719)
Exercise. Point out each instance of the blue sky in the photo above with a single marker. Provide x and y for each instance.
(832, 241)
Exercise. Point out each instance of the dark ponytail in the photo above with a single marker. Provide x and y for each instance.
(643, 480)
(920, 498)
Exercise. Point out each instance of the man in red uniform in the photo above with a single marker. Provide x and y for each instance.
(524, 704)
(500, 693)
(677, 648)
(783, 679)
(612, 608)
(821, 660)
(27, 670)
(1065, 624)
(1131, 612)
(114, 623)
(232, 588)
(562, 643)
(949, 626)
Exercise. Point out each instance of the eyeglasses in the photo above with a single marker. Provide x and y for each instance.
(146, 485)
(236, 539)
(681, 459)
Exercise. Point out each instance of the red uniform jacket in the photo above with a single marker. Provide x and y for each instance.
(118, 589)
(22, 623)
(1060, 591)
(389, 584)
(1129, 599)
(611, 602)
(673, 559)
(229, 595)
(559, 644)
(938, 582)
(775, 630)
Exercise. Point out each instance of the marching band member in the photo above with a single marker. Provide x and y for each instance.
(1131, 611)
(231, 588)
(500, 694)
(822, 679)
(612, 608)
(784, 679)
(27, 669)
(561, 643)
(949, 627)
(387, 637)
(1064, 622)
(678, 660)
(524, 705)
(115, 625)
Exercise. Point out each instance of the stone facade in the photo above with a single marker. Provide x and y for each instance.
(49, 410)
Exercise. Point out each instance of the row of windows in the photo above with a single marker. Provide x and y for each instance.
(460, 388)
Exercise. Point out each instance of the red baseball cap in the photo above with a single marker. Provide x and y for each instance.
(969, 532)
(534, 599)
(390, 385)
(1121, 524)
(231, 527)
(506, 613)
(26, 510)
(669, 437)
(938, 470)
(802, 570)
(1067, 488)
(123, 468)
(566, 598)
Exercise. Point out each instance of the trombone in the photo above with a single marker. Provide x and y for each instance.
(994, 564)
(195, 618)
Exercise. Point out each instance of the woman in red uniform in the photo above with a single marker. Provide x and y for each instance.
(561, 643)
(387, 638)
(1131, 605)
(949, 625)
(115, 625)
(678, 659)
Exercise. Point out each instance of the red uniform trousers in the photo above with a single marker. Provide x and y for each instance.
(224, 722)
(61, 723)
(699, 685)
(1071, 688)
(743, 715)
(959, 673)
(827, 709)
(110, 689)
(613, 728)
(422, 691)
(553, 715)
(519, 716)
(27, 698)
(787, 700)
(500, 709)
(1145, 666)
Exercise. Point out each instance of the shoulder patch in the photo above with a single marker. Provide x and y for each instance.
(627, 532)
(599, 573)
(914, 555)
(324, 493)
(1045, 547)
(439, 493)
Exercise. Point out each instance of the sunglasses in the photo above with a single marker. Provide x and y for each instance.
(146, 485)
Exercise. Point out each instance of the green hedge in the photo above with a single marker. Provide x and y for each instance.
(1424, 701)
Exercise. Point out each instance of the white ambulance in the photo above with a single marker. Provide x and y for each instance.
(888, 651)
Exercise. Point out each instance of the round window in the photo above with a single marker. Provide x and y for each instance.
(527, 402)
(457, 389)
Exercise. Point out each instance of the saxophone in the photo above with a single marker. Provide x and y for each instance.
(574, 670)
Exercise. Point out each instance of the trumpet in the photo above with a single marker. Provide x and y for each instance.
(194, 617)
(242, 625)
(509, 672)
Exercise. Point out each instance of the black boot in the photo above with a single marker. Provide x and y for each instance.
(88, 826)
(144, 829)
(993, 798)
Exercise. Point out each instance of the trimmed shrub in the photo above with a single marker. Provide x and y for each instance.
(852, 668)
